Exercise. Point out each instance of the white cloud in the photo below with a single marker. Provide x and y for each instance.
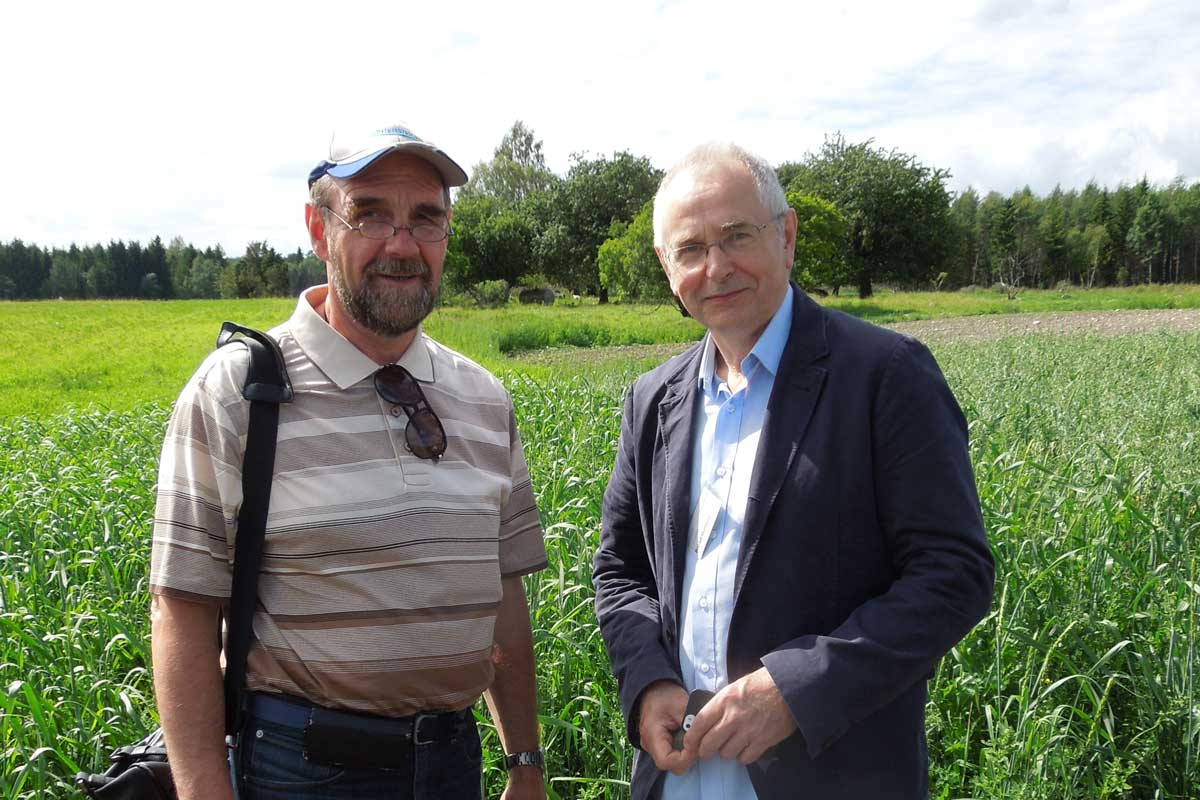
(129, 119)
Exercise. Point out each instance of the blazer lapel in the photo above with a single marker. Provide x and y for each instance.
(676, 424)
(794, 397)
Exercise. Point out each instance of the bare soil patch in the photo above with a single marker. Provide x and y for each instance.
(1102, 323)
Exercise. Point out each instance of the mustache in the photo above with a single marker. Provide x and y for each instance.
(399, 268)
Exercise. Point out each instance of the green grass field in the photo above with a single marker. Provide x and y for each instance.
(1081, 682)
(119, 354)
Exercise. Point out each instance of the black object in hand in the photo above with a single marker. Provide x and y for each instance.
(696, 701)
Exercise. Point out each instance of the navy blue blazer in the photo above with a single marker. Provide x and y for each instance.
(863, 558)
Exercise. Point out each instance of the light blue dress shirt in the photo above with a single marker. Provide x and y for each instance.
(727, 432)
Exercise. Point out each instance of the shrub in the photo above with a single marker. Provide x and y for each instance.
(489, 294)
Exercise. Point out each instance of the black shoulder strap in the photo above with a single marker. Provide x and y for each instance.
(267, 379)
(267, 385)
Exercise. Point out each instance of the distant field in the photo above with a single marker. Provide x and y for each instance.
(123, 353)
(907, 306)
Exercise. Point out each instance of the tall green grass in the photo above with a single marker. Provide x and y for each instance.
(75, 502)
(1081, 682)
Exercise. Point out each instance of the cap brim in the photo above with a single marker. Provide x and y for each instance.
(452, 174)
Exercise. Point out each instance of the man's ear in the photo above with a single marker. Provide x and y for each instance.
(790, 226)
(315, 222)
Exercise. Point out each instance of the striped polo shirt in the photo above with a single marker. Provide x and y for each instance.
(381, 571)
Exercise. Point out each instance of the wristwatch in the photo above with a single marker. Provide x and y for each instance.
(527, 758)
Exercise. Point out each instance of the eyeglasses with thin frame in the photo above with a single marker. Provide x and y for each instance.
(738, 240)
(424, 434)
(379, 230)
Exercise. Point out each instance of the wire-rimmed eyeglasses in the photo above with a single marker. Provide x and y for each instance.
(379, 230)
(738, 239)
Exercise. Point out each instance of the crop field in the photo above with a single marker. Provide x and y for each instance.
(1080, 683)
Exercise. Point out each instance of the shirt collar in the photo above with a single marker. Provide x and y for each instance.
(767, 351)
(342, 362)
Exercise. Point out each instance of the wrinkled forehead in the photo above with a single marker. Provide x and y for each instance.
(396, 175)
(709, 195)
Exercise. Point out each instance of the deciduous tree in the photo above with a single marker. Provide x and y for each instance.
(517, 170)
(596, 193)
(897, 209)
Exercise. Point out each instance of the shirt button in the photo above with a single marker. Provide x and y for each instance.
(704, 668)
(729, 408)
(704, 601)
(722, 472)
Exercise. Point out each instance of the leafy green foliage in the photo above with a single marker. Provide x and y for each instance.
(516, 218)
(516, 172)
(490, 294)
(896, 207)
(596, 193)
(494, 240)
(1097, 246)
(627, 262)
(259, 273)
(821, 238)
(1145, 237)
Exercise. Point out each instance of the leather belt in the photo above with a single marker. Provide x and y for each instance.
(364, 740)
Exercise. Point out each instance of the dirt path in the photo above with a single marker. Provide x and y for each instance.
(963, 329)
(1104, 323)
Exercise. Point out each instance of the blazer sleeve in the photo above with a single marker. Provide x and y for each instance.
(623, 574)
(929, 515)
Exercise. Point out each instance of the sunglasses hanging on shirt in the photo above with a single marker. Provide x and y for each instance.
(424, 434)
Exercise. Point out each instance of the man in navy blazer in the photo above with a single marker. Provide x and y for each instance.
(791, 522)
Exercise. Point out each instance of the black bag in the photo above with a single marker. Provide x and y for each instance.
(141, 771)
(138, 772)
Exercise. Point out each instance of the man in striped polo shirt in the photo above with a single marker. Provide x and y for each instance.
(401, 521)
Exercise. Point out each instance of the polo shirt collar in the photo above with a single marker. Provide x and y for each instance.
(342, 362)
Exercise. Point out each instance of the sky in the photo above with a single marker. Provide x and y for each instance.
(126, 120)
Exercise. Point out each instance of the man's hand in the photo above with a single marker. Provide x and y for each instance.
(525, 783)
(741, 722)
(660, 713)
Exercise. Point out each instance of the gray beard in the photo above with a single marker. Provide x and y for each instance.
(387, 310)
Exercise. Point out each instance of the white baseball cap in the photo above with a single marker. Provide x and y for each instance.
(353, 151)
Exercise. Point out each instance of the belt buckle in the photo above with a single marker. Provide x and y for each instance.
(416, 733)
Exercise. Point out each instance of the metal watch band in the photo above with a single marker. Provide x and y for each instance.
(527, 758)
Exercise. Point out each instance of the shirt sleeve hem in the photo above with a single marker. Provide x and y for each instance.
(190, 597)
(518, 572)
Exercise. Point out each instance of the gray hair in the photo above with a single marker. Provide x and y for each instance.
(711, 154)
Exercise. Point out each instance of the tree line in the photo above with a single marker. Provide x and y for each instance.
(867, 216)
(153, 272)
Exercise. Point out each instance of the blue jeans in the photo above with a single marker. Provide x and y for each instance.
(271, 766)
